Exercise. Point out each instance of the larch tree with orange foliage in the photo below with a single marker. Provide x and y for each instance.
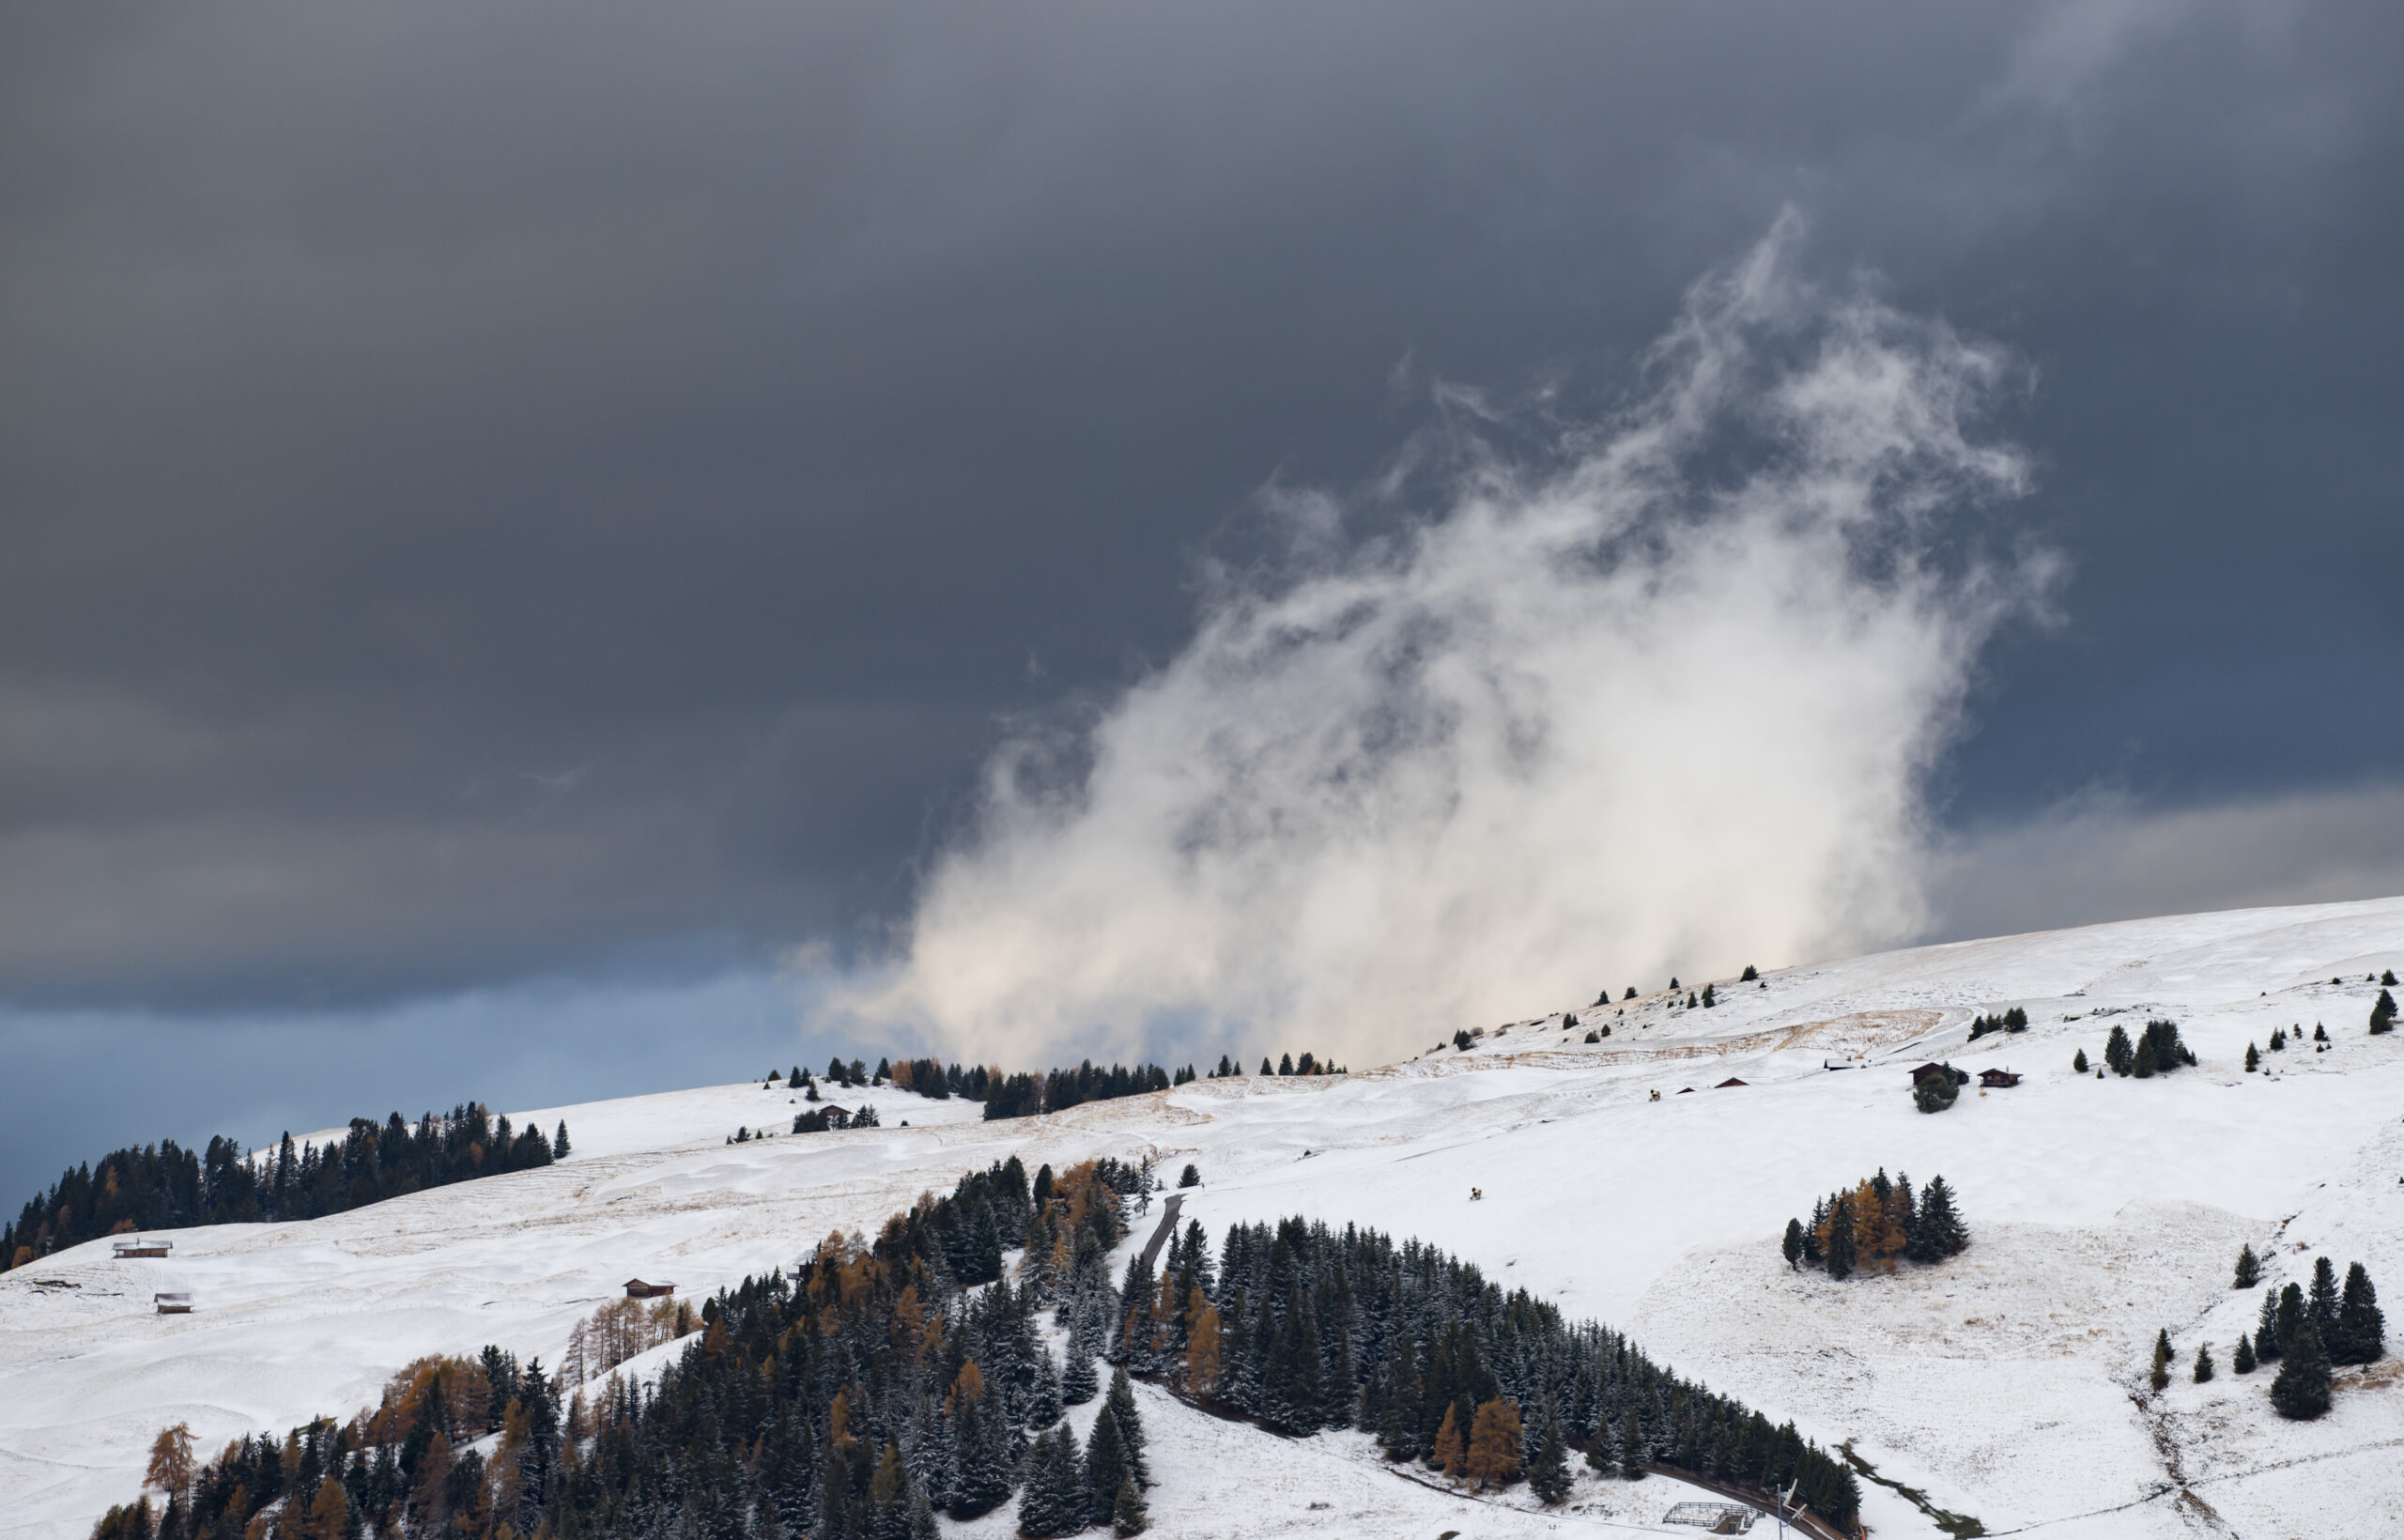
(1494, 1442)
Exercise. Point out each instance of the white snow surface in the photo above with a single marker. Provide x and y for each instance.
(2008, 1385)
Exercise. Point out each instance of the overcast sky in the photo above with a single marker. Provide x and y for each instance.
(515, 518)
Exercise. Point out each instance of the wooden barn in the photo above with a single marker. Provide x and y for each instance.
(638, 1289)
(1732, 1080)
(172, 1302)
(1961, 1077)
(131, 1246)
(1995, 1079)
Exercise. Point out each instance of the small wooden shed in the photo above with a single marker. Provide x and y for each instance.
(1961, 1077)
(172, 1302)
(134, 1247)
(1732, 1080)
(638, 1289)
(1997, 1079)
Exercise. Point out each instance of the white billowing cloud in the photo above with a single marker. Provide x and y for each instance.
(1661, 698)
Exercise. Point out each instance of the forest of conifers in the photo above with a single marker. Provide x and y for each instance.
(165, 1186)
(880, 1381)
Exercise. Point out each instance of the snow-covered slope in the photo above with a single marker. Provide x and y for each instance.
(2008, 1385)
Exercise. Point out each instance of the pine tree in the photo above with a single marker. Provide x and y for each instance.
(922, 1517)
(2359, 1319)
(2160, 1375)
(2142, 1066)
(2265, 1329)
(1079, 1381)
(2119, 1053)
(2242, 1359)
(2203, 1362)
(1054, 1500)
(2300, 1392)
(1043, 1406)
(1939, 1232)
(2292, 1317)
(1793, 1245)
(1632, 1449)
(1548, 1472)
(2383, 1013)
(2253, 1059)
(2078, 1061)
(2249, 1268)
(1106, 1467)
(1841, 1247)
(2321, 1306)
(1128, 1515)
(1131, 1427)
(559, 1142)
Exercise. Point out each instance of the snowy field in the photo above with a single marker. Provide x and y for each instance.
(2008, 1385)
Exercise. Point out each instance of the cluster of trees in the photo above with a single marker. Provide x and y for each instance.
(853, 1398)
(834, 1119)
(2383, 1013)
(409, 1462)
(1935, 1090)
(2014, 1020)
(1305, 1328)
(2158, 1051)
(165, 1186)
(2304, 1331)
(1874, 1223)
(1025, 1095)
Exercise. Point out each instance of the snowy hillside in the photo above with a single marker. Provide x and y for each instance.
(2008, 1385)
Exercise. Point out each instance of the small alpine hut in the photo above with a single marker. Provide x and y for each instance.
(172, 1302)
(1732, 1080)
(1997, 1079)
(638, 1289)
(133, 1246)
(1961, 1077)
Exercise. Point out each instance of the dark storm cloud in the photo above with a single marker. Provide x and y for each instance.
(489, 488)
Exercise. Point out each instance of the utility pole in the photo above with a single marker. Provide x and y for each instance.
(1783, 1499)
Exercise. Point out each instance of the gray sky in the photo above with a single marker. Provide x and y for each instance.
(549, 503)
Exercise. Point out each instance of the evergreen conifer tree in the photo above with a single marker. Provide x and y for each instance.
(2242, 1359)
(1939, 1233)
(1079, 1381)
(1131, 1427)
(1840, 1246)
(2160, 1375)
(2300, 1392)
(2292, 1317)
(1128, 1515)
(1632, 1449)
(1043, 1406)
(1793, 1245)
(2359, 1319)
(559, 1142)
(2321, 1305)
(2265, 1329)
(922, 1517)
(2142, 1065)
(2203, 1362)
(2078, 1061)
(1106, 1467)
(1054, 1501)
(1548, 1472)
(2249, 1268)
(2253, 1059)
(2119, 1055)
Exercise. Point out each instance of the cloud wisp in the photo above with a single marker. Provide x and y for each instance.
(1661, 692)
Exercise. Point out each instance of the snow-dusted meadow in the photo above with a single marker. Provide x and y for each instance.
(2008, 1385)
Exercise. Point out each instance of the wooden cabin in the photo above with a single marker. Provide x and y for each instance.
(638, 1289)
(172, 1302)
(131, 1247)
(1995, 1079)
(1961, 1077)
(1732, 1080)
